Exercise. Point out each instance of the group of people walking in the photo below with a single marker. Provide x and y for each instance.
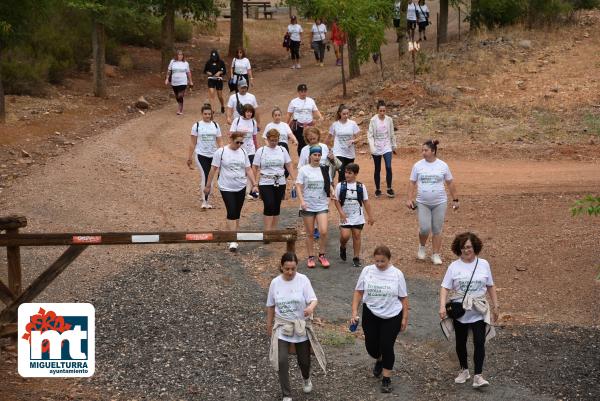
(319, 41)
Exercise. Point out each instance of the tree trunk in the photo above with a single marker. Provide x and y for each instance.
(354, 67)
(344, 92)
(236, 32)
(168, 35)
(99, 56)
(401, 30)
(2, 103)
(443, 33)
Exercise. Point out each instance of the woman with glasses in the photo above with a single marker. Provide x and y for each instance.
(468, 280)
(270, 164)
(232, 166)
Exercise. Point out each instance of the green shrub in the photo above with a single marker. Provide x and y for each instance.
(24, 78)
(125, 62)
(184, 30)
(547, 12)
(494, 13)
(113, 52)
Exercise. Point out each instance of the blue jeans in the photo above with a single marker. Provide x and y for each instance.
(387, 157)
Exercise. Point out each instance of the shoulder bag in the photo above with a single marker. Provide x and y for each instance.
(455, 309)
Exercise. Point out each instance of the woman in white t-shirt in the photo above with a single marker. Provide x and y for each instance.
(319, 38)
(422, 18)
(427, 180)
(179, 76)
(294, 29)
(468, 280)
(205, 139)
(382, 144)
(247, 125)
(232, 166)
(290, 305)
(411, 19)
(285, 132)
(344, 134)
(270, 164)
(240, 68)
(382, 289)
(314, 190)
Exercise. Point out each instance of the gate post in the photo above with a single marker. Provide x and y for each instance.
(11, 225)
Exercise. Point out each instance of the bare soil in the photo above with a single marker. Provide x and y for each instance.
(515, 185)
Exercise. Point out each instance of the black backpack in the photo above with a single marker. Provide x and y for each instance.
(359, 192)
(326, 180)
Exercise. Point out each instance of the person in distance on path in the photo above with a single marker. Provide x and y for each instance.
(294, 29)
(290, 305)
(179, 76)
(313, 186)
(382, 289)
(471, 275)
(382, 144)
(352, 203)
(427, 180)
(216, 71)
(240, 68)
(232, 166)
(205, 139)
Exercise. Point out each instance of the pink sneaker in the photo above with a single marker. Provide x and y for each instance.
(323, 260)
(310, 263)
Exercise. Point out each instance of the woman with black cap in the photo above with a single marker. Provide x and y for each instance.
(215, 69)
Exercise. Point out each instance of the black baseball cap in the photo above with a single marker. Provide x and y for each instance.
(302, 88)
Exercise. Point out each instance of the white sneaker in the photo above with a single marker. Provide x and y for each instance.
(292, 67)
(421, 253)
(233, 246)
(307, 387)
(462, 376)
(204, 205)
(287, 399)
(479, 381)
(436, 259)
(298, 66)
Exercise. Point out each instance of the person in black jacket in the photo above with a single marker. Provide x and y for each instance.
(216, 71)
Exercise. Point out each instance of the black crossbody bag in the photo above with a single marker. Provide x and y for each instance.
(455, 309)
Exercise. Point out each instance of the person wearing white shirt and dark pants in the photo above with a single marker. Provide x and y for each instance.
(427, 180)
(205, 139)
(179, 76)
(319, 35)
(285, 132)
(467, 281)
(422, 18)
(382, 289)
(302, 112)
(240, 68)
(344, 134)
(237, 101)
(411, 19)
(270, 164)
(294, 29)
(232, 166)
(382, 144)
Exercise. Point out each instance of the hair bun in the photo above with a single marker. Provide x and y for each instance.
(436, 142)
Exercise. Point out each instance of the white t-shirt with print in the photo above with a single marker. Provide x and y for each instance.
(180, 70)
(290, 298)
(319, 32)
(248, 98)
(302, 109)
(240, 66)
(355, 213)
(382, 290)
(411, 12)
(313, 190)
(283, 128)
(232, 164)
(343, 134)
(207, 133)
(295, 30)
(304, 153)
(271, 162)
(457, 278)
(421, 11)
(248, 127)
(381, 138)
(430, 179)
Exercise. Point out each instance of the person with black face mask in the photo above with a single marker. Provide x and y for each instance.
(215, 69)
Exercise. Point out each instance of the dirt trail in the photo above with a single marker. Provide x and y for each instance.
(134, 178)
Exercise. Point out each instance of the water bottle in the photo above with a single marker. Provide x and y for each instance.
(354, 326)
(294, 194)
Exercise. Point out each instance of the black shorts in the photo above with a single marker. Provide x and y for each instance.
(234, 201)
(411, 24)
(271, 197)
(396, 23)
(179, 88)
(423, 25)
(352, 226)
(216, 84)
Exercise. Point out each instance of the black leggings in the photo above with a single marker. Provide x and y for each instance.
(387, 157)
(342, 171)
(205, 163)
(271, 197)
(299, 134)
(295, 50)
(286, 146)
(461, 331)
(319, 50)
(234, 201)
(179, 91)
(380, 336)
